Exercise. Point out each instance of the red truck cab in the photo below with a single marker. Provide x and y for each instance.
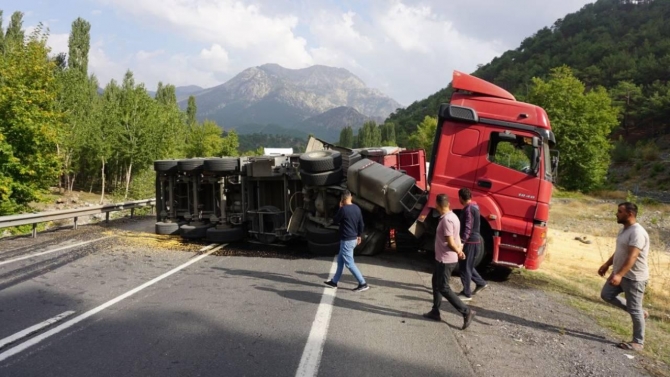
(499, 148)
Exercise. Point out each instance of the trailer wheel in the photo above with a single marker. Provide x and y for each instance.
(328, 178)
(221, 235)
(320, 161)
(329, 249)
(190, 165)
(225, 164)
(165, 166)
(167, 228)
(192, 232)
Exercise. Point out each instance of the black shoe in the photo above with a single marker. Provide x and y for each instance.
(467, 319)
(435, 316)
(480, 288)
(361, 288)
(330, 283)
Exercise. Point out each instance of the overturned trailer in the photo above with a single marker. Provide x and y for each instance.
(273, 199)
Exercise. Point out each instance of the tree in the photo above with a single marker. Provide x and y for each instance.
(388, 133)
(14, 37)
(79, 45)
(230, 143)
(205, 140)
(582, 121)
(28, 120)
(346, 137)
(369, 135)
(191, 111)
(424, 136)
(626, 96)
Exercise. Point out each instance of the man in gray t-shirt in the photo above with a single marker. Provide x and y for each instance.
(630, 272)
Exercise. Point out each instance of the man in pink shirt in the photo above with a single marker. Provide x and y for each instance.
(448, 250)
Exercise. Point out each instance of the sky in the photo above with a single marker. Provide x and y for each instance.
(408, 49)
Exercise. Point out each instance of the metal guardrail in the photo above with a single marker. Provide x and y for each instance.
(41, 217)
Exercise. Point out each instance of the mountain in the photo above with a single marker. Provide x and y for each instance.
(182, 92)
(271, 94)
(328, 125)
(623, 45)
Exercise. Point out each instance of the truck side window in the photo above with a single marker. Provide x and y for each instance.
(511, 151)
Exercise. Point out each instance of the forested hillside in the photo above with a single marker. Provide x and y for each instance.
(623, 45)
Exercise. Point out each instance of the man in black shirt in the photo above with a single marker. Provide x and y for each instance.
(472, 245)
(350, 219)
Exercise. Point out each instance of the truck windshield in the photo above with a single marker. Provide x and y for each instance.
(513, 151)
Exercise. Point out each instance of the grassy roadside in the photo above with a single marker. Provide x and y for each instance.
(570, 269)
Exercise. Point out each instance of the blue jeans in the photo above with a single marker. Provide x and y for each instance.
(346, 258)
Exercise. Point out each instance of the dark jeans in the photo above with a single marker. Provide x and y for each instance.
(467, 267)
(441, 288)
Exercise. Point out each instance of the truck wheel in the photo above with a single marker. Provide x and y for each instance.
(165, 166)
(348, 160)
(225, 234)
(373, 244)
(325, 249)
(322, 235)
(374, 152)
(167, 228)
(328, 178)
(225, 164)
(320, 161)
(192, 232)
(190, 165)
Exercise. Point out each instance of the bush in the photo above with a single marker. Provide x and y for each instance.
(622, 151)
(657, 167)
(648, 151)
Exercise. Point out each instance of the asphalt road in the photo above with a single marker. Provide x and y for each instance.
(236, 312)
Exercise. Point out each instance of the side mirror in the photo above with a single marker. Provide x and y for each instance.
(554, 163)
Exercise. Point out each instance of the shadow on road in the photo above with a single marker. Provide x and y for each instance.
(509, 318)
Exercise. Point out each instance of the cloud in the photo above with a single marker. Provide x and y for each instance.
(406, 48)
(96, 12)
(256, 38)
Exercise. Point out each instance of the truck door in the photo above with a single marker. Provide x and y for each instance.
(457, 158)
(509, 171)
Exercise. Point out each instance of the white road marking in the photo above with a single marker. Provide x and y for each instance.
(29, 343)
(33, 329)
(52, 250)
(311, 355)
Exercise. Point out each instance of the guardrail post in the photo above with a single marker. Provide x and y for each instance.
(152, 210)
(106, 217)
(75, 223)
(132, 212)
(35, 230)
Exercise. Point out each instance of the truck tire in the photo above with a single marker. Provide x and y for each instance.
(193, 232)
(320, 161)
(329, 249)
(348, 160)
(165, 166)
(322, 235)
(224, 164)
(373, 244)
(373, 152)
(328, 178)
(190, 165)
(225, 234)
(167, 228)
